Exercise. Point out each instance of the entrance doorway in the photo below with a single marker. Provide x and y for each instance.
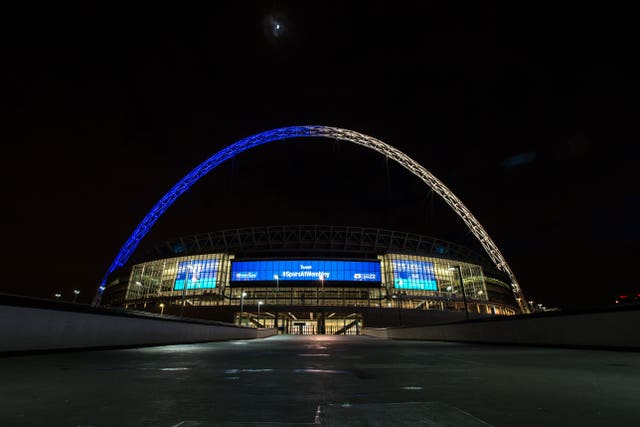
(304, 323)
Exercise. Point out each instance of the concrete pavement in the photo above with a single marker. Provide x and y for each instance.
(326, 380)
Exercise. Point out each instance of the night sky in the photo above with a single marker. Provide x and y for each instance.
(529, 114)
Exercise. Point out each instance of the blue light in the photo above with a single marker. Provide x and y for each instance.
(305, 270)
(192, 177)
(199, 274)
(440, 250)
(414, 275)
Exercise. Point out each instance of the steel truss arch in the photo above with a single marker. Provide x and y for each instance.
(319, 132)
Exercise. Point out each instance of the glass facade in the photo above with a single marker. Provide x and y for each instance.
(437, 276)
(196, 274)
(410, 274)
(401, 281)
(167, 277)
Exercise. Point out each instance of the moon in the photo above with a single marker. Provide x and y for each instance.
(274, 26)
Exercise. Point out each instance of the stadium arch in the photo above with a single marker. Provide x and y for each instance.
(317, 132)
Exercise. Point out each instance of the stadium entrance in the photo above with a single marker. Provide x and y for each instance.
(304, 322)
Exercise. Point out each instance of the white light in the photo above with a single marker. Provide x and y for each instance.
(277, 26)
(275, 276)
(244, 294)
(260, 302)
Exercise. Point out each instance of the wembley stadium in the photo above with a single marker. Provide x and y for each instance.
(313, 279)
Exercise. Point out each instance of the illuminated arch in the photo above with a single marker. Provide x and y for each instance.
(313, 131)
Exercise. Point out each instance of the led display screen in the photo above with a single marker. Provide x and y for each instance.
(199, 274)
(309, 270)
(409, 274)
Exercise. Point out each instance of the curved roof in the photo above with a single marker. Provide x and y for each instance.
(321, 239)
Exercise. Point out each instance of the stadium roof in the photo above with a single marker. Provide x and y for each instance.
(316, 239)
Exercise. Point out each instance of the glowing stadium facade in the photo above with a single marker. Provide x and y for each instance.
(313, 279)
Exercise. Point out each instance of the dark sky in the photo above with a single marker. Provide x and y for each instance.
(529, 114)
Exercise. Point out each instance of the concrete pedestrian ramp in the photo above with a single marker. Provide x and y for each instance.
(613, 329)
(435, 414)
(28, 324)
(409, 414)
(324, 380)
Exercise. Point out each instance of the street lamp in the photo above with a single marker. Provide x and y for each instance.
(58, 295)
(397, 298)
(464, 295)
(275, 276)
(75, 294)
(184, 286)
(259, 304)
(139, 289)
(244, 294)
(161, 308)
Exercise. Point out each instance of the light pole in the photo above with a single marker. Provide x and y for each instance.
(275, 322)
(161, 308)
(464, 295)
(259, 304)
(275, 276)
(75, 294)
(139, 289)
(184, 287)
(244, 294)
(397, 298)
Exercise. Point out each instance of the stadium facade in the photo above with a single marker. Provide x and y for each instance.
(313, 279)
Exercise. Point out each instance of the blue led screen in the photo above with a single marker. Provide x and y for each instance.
(309, 270)
(408, 274)
(199, 274)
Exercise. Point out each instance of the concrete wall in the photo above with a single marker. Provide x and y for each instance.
(28, 328)
(612, 329)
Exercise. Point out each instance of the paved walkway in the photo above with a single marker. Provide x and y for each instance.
(326, 380)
